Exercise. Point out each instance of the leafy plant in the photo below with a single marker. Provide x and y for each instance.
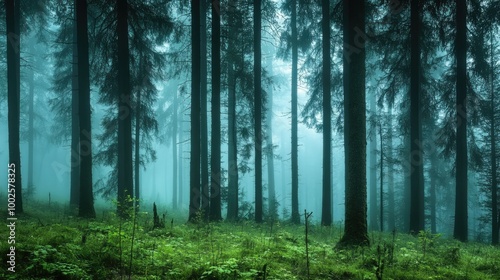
(47, 261)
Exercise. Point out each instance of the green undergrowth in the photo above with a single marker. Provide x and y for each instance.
(52, 244)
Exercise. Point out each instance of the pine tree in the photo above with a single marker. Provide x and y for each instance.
(125, 171)
(326, 213)
(417, 221)
(258, 110)
(461, 206)
(232, 181)
(194, 167)
(13, 18)
(86, 205)
(215, 163)
(355, 231)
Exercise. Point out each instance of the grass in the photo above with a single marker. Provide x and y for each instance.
(53, 245)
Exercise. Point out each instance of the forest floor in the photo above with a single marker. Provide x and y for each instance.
(50, 244)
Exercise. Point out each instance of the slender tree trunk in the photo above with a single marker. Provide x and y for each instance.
(417, 221)
(269, 150)
(86, 208)
(373, 169)
(75, 124)
(391, 219)
(31, 132)
(258, 110)
(194, 167)
(179, 160)
(407, 188)
(13, 14)
(232, 204)
(494, 180)
(326, 209)
(461, 225)
(137, 147)
(381, 178)
(432, 200)
(273, 211)
(232, 182)
(295, 157)
(174, 156)
(355, 230)
(215, 194)
(205, 197)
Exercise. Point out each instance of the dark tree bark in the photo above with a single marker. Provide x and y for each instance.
(179, 160)
(381, 178)
(74, 199)
(295, 157)
(405, 208)
(137, 147)
(125, 170)
(461, 227)
(174, 156)
(258, 110)
(31, 132)
(355, 231)
(432, 190)
(13, 14)
(494, 180)
(416, 154)
(373, 169)
(86, 207)
(215, 194)
(326, 209)
(194, 167)
(232, 180)
(205, 182)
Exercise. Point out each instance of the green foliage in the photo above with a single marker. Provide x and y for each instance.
(48, 261)
(53, 247)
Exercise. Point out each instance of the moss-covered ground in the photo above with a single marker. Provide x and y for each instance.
(51, 244)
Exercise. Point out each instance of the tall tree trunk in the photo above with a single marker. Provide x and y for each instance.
(137, 147)
(417, 221)
(355, 231)
(74, 199)
(295, 157)
(232, 181)
(179, 160)
(31, 132)
(391, 219)
(494, 180)
(405, 208)
(215, 194)
(86, 207)
(269, 149)
(258, 109)
(205, 183)
(174, 156)
(13, 14)
(271, 189)
(125, 170)
(432, 190)
(232, 203)
(194, 167)
(381, 178)
(461, 226)
(373, 168)
(326, 209)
